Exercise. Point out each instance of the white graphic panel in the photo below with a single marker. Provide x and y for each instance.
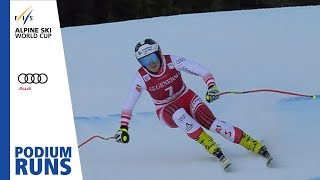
(43, 141)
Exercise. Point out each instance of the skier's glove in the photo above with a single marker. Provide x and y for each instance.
(122, 135)
(212, 94)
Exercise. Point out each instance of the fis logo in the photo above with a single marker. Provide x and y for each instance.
(25, 16)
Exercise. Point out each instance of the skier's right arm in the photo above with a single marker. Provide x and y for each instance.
(135, 91)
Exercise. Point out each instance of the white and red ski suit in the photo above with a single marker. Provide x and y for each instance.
(176, 104)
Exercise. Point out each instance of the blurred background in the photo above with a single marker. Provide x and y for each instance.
(87, 12)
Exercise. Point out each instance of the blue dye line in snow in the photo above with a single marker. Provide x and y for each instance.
(292, 99)
(315, 178)
(108, 115)
(87, 117)
(114, 115)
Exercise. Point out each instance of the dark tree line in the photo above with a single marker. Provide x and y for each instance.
(84, 12)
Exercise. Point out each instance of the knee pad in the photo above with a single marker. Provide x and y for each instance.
(226, 130)
(185, 122)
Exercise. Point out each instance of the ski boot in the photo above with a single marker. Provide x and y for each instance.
(256, 146)
(265, 153)
(212, 147)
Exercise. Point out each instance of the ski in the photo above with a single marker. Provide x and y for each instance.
(227, 167)
(225, 163)
(269, 160)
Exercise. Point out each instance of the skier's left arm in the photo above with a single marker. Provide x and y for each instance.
(192, 67)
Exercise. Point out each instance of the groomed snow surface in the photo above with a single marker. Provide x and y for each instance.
(245, 50)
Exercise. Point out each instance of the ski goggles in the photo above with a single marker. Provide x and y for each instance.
(146, 60)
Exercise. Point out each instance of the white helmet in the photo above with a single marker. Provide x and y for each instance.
(146, 47)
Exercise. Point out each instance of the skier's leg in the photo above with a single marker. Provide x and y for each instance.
(173, 116)
(205, 117)
(165, 115)
(234, 134)
(255, 146)
(185, 122)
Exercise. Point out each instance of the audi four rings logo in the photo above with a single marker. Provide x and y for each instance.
(35, 78)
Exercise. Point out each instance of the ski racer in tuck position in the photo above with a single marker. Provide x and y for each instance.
(177, 106)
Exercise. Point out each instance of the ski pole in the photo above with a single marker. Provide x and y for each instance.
(270, 90)
(96, 136)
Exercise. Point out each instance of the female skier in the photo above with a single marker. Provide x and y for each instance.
(177, 106)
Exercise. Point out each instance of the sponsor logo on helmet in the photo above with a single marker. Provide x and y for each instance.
(149, 48)
(145, 50)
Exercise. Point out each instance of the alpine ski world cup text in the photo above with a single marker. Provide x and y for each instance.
(33, 32)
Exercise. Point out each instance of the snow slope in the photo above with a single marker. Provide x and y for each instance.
(271, 48)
